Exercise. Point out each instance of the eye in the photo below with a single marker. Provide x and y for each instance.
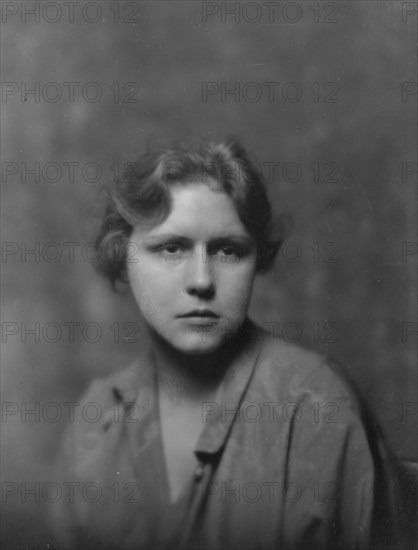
(229, 251)
(170, 251)
(171, 248)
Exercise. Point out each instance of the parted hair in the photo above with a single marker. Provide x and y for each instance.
(142, 193)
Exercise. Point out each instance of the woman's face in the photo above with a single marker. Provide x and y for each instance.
(192, 274)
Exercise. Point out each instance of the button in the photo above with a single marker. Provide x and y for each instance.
(200, 470)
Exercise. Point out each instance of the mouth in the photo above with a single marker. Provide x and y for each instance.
(199, 314)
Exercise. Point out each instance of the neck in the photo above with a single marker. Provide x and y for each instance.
(192, 378)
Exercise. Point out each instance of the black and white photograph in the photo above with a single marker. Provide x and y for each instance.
(209, 275)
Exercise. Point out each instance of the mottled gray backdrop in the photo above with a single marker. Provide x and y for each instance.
(323, 93)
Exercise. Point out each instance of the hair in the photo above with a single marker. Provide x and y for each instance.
(142, 193)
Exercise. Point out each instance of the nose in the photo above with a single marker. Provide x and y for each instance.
(199, 276)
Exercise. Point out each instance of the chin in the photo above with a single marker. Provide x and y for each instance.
(194, 344)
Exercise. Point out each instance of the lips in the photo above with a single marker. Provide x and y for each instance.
(199, 313)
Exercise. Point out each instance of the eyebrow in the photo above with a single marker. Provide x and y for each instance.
(164, 237)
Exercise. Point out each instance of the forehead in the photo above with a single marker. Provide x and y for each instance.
(200, 211)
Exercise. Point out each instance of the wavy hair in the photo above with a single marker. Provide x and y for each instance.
(142, 193)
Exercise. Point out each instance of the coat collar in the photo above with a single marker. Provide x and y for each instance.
(138, 384)
(220, 414)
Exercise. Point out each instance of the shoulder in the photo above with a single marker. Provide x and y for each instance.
(121, 385)
(296, 374)
(108, 399)
(100, 414)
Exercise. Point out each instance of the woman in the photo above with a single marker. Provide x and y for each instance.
(220, 435)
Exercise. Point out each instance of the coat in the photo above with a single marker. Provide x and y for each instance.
(287, 459)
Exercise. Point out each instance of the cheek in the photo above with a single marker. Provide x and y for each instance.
(145, 289)
(238, 287)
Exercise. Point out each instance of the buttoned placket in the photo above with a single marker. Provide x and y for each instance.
(213, 437)
(203, 474)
